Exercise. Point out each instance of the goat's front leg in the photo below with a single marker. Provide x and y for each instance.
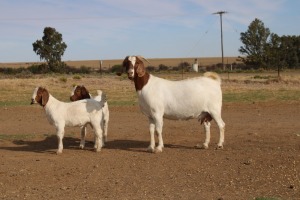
(152, 139)
(83, 134)
(60, 136)
(158, 128)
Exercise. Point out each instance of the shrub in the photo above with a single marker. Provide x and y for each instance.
(39, 69)
(77, 77)
(63, 79)
(163, 67)
(150, 68)
(116, 69)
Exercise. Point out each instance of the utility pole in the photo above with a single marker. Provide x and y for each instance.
(221, 13)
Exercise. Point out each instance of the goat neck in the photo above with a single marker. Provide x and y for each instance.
(140, 82)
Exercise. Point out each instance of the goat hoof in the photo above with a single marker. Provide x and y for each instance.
(200, 146)
(158, 150)
(81, 147)
(219, 147)
(58, 152)
(150, 149)
(97, 150)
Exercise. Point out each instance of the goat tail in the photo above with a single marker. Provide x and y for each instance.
(212, 75)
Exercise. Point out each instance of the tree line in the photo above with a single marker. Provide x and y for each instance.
(266, 50)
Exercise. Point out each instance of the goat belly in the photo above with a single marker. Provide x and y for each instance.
(180, 116)
(77, 120)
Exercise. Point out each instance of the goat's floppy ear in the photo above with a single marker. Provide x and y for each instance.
(45, 97)
(84, 92)
(140, 68)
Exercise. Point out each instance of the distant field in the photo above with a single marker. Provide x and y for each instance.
(237, 87)
(109, 63)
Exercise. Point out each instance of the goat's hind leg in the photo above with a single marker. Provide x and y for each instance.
(207, 136)
(98, 137)
(221, 126)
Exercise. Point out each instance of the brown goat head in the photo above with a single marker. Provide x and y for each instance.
(80, 92)
(40, 96)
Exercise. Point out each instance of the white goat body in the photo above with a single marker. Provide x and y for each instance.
(61, 114)
(80, 92)
(199, 97)
(179, 100)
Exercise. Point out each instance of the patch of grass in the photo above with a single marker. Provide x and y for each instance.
(77, 77)
(264, 77)
(63, 79)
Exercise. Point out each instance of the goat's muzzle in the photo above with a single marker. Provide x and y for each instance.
(32, 101)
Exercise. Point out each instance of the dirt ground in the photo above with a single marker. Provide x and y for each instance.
(261, 157)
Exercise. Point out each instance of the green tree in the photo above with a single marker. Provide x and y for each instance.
(255, 42)
(51, 48)
(272, 51)
(291, 50)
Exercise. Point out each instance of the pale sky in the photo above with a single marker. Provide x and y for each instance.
(113, 29)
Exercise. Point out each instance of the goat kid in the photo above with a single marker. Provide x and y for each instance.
(61, 114)
(80, 92)
(199, 97)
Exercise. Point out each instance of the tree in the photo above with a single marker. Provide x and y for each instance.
(51, 48)
(255, 41)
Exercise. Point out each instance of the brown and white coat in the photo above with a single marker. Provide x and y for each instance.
(80, 92)
(159, 98)
(78, 113)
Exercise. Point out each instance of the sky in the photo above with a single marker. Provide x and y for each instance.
(113, 29)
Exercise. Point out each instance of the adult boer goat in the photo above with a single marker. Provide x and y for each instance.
(78, 113)
(199, 97)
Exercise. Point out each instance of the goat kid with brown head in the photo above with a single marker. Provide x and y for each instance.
(78, 113)
(80, 92)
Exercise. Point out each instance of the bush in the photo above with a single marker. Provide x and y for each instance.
(24, 74)
(163, 67)
(116, 69)
(39, 69)
(77, 77)
(150, 68)
(63, 79)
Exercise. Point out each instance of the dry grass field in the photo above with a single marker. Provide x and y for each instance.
(260, 159)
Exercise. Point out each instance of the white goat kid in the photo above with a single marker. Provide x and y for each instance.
(199, 97)
(80, 92)
(61, 114)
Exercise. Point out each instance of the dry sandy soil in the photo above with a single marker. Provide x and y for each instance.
(261, 157)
